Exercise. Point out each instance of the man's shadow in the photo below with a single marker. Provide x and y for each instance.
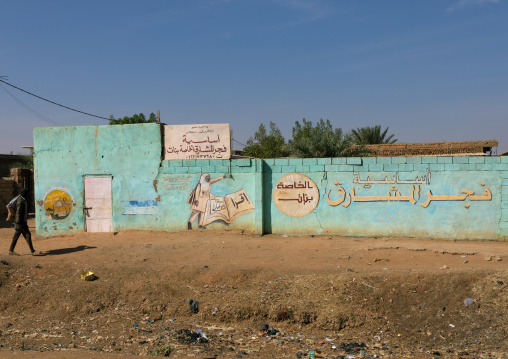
(5, 224)
(55, 252)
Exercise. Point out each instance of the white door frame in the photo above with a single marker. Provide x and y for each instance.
(98, 203)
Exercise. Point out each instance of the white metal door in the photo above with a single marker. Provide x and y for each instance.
(98, 208)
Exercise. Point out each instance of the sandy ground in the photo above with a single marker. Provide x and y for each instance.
(258, 296)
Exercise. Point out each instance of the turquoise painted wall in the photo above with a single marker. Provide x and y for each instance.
(460, 217)
(177, 179)
(149, 193)
(64, 155)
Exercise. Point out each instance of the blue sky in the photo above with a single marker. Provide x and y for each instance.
(430, 70)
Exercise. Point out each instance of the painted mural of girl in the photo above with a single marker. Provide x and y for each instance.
(199, 197)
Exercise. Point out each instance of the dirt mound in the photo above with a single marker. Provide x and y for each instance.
(230, 294)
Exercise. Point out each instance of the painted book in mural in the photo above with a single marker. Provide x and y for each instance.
(227, 209)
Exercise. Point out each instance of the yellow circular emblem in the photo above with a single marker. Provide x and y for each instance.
(58, 204)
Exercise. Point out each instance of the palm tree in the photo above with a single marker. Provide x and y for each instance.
(372, 136)
(322, 141)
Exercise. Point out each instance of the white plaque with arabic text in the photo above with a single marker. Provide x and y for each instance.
(197, 142)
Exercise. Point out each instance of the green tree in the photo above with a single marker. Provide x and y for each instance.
(264, 145)
(24, 161)
(372, 136)
(321, 141)
(134, 119)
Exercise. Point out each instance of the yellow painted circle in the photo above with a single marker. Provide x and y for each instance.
(58, 204)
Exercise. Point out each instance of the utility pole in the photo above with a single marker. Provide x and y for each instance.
(158, 116)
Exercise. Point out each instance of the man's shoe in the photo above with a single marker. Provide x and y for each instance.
(36, 253)
(13, 253)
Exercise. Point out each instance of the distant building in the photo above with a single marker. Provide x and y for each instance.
(10, 161)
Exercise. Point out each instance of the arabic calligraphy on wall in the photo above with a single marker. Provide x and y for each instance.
(58, 204)
(176, 183)
(190, 142)
(296, 195)
(393, 194)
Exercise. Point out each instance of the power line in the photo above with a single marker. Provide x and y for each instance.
(37, 114)
(240, 143)
(54, 103)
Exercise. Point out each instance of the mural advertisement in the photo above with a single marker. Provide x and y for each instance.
(209, 208)
(411, 191)
(430, 204)
(194, 142)
(297, 195)
(57, 204)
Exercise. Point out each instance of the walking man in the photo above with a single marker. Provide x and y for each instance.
(21, 224)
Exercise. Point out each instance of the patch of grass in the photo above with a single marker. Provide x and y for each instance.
(163, 351)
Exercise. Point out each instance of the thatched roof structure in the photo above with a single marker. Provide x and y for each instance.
(433, 148)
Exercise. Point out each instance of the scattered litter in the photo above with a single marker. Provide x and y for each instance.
(88, 276)
(135, 325)
(468, 302)
(5, 263)
(143, 342)
(353, 347)
(268, 329)
(172, 319)
(187, 336)
(499, 282)
(215, 311)
(194, 306)
(451, 325)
